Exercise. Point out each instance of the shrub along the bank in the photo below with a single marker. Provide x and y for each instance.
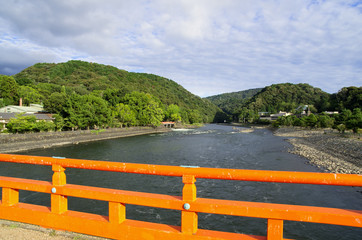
(345, 120)
(23, 124)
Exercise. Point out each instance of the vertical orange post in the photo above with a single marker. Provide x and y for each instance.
(189, 218)
(59, 203)
(275, 229)
(117, 212)
(10, 196)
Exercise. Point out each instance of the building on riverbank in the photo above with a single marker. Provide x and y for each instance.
(5, 118)
(33, 108)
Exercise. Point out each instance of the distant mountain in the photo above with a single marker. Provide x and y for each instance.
(286, 97)
(274, 98)
(233, 102)
(86, 78)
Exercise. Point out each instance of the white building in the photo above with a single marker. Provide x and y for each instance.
(33, 108)
(280, 114)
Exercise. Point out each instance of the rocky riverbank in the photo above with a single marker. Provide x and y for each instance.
(11, 143)
(328, 150)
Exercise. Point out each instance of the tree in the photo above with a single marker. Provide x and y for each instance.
(300, 122)
(341, 128)
(325, 121)
(173, 113)
(56, 103)
(29, 95)
(347, 98)
(343, 117)
(194, 116)
(114, 96)
(21, 124)
(125, 115)
(311, 120)
(58, 121)
(85, 112)
(8, 90)
(355, 121)
(146, 107)
(95, 111)
(2, 103)
(44, 126)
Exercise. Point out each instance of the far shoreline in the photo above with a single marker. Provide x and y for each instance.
(14, 143)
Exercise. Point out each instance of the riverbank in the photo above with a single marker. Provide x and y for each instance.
(328, 150)
(12, 143)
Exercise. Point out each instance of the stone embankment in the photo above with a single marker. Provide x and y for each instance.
(11, 143)
(329, 150)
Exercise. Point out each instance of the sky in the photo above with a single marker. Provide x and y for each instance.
(207, 46)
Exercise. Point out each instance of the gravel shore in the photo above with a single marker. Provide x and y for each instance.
(11, 143)
(327, 149)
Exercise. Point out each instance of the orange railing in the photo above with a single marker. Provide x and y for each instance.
(117, 226)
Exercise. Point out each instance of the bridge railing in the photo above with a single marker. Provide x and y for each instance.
(117, 226)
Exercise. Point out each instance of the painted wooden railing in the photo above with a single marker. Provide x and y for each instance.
(117, 226)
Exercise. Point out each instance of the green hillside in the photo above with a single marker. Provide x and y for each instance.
(233, 102)
(287, 97)
(87, 95)
(346, 98)
(85, 78)
(245, 105)
(84, 95)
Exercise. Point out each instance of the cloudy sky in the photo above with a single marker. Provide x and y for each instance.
(207, 46)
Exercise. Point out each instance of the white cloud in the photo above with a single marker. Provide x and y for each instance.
(207, 46)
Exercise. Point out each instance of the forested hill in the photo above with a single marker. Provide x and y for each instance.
(91, 78)
(233, 102)
(286, 97)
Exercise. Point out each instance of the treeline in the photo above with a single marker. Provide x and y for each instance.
(346, 120)
(100, 109)
(286, 97)
(86, 95)
(23, 124)
(85, 78)
(232, 102)
(113, 109)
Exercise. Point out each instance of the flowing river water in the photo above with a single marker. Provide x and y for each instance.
(214, 146)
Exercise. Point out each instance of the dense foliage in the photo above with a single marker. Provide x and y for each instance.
(347, 98)
(111, 84)
(231, 103)
(8, 90)
(289, 98)
(22, 124)
(347, 119)
(89, 95)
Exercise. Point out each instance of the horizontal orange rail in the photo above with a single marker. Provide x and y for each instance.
(211, 173)
(116, 226)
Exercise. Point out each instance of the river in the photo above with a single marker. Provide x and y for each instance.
(209, 146)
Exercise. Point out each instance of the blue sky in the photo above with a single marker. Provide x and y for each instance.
(207, 46)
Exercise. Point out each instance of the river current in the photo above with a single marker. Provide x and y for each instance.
(214, 146)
